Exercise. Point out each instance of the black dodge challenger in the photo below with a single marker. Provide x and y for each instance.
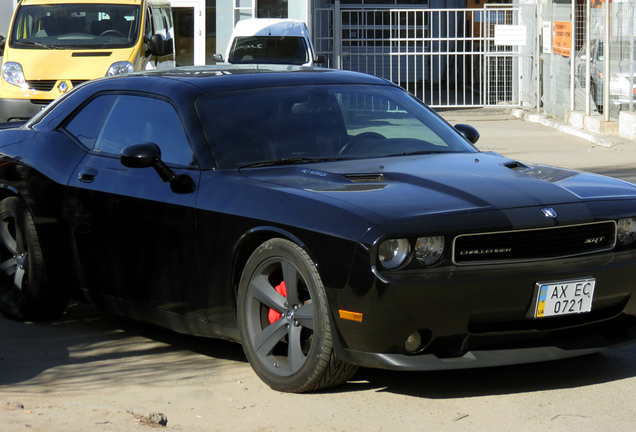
(325, 219)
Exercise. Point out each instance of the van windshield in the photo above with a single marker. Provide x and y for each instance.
(76, 26)
(269, 50)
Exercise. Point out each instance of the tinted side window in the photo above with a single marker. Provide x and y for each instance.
(137, 119)
(88, 122)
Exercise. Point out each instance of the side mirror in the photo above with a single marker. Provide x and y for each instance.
(2, 42)
(469, 132)
(320, 59)
(146, 155)
(168, 46)
(155, 45)
(218, 58)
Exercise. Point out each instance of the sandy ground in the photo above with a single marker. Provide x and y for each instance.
(93, 371)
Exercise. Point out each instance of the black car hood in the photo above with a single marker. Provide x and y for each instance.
(413, 186)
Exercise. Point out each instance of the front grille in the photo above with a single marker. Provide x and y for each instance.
(42, 102)
(526, 245)
(41, 85)
(77, 82)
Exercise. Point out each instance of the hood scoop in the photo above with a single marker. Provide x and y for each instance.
(517, 166)
(365, 178)
(542, 172)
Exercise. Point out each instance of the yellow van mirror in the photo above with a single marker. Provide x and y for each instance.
(155, 45)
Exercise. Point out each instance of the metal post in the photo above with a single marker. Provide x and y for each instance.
(337, 36)
(573, 58)
(606, 64)
(537, 54)
(588, 53)
(630, 16)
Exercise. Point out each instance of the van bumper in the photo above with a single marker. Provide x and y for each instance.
(19, 109)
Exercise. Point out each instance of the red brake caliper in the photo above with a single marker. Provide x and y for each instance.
(273, 315)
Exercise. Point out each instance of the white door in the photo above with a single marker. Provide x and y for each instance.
(189, 22)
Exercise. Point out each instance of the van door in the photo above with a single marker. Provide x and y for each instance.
(159, 21)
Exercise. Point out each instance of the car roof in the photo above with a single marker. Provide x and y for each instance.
(269, 27)
(212, 79)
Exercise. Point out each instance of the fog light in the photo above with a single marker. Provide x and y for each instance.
(413, 342)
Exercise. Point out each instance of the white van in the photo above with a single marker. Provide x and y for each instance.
(270, 41)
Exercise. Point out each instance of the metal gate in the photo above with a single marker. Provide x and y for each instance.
(446, 57)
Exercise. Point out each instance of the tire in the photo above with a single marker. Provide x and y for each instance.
(599, 108)
(283, 319)
(24, 294)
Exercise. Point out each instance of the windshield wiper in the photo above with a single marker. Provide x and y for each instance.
(37, 44)
(289, 161)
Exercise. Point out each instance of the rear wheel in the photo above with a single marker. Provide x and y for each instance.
(284, 321)
(24, 294)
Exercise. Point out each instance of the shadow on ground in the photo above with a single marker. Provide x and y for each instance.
(568, 373)
(100, 347)
(87, 349)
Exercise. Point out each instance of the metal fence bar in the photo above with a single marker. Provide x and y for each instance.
(437, 54)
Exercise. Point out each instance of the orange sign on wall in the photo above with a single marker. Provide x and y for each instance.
(562, 38)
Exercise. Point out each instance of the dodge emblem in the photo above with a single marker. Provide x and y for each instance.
(549, 212)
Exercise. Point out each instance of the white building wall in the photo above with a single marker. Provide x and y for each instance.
(6, 11)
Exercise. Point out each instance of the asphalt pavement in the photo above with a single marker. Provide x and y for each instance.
(504, 132)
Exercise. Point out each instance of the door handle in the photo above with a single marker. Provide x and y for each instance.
(87, 175)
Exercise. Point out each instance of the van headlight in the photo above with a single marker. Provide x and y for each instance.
(429, 250)
(120, 68)
(626, 231)
(393, 253)
(13, 74)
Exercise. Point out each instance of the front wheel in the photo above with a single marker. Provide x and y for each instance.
(24, 294)
(284, 321)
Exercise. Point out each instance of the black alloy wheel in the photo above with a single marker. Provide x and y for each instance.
(284, 321)
(24, 294)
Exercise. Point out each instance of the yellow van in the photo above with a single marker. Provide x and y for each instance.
(54, 45)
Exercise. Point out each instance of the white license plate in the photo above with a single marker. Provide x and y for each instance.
(564, 298)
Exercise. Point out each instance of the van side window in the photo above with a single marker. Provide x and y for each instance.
(148, 24)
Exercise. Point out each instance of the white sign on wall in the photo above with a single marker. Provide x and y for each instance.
(510, 35)
(547, 37)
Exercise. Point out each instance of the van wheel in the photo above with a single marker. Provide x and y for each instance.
(283, 319)
(24, 293)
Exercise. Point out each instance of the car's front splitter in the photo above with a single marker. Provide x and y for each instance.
(583, 345)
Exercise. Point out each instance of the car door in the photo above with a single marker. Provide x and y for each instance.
(135, 236)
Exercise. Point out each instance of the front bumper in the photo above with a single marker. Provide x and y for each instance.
(478, 316)
(20, 109)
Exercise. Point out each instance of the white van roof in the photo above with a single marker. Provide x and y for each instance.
(270, 26)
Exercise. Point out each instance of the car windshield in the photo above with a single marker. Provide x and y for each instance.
(76, 26)
(269, 50)
(301, 124)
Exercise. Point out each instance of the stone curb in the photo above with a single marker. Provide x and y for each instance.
(544, 120)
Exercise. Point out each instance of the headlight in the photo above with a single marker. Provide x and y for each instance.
(393, 253)
(13, 74)
(429, 250)
(626, 230)
(120, 68)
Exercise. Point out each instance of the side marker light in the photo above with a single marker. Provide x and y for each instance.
(351, 316)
